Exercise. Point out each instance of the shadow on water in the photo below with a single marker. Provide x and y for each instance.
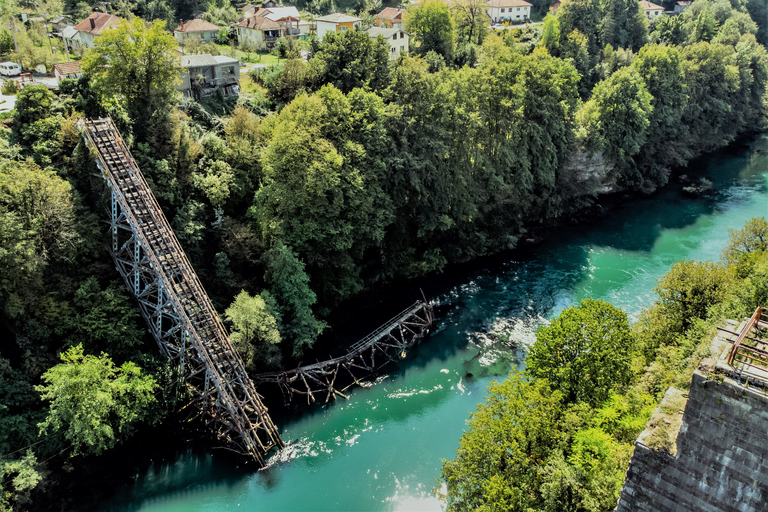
(510, 293)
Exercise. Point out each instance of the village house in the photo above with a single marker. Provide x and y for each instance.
(336, 22)
(64, 70)
(258, 32)
(206, 75)
(681, 6)
(390, 18)
(652, 11)
(554, 7)
(514, 11)
(59, 23)
(287, 17)
(82, 35)
(395, 37)
(197, 29)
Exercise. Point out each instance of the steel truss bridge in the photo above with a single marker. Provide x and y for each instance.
(174, 304)
(329, 379)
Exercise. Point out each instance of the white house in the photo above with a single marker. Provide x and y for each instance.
(509, 10)
(336, 22)
(652, 11)
(84, 33)
(258, 32)
(396, 38)
(197, 29)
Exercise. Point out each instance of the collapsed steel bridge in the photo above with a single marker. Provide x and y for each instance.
(330, 379)
(174, 304)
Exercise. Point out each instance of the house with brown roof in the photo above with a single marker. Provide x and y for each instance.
(64, 70)
(259, 32)
(82, 35)
(514, 11)
(554, 7)
(197, 29)
(652, 11)
(390, 17)
(336, 22)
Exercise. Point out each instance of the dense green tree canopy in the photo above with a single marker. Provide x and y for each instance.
(254, 331)
(93, 401)
(432, 27)
(136, 62)
(585, 352)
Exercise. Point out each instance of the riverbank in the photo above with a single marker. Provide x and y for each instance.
(412, 418)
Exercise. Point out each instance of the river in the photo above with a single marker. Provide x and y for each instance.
(381, 450)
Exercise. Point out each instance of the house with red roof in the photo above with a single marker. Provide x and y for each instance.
(259, 32)
(652, 11)
(82, 35)
(197, 29)
(390, 17)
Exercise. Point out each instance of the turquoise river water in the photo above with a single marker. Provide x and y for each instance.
(381, 450)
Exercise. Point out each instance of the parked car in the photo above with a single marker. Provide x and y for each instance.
(10, 69)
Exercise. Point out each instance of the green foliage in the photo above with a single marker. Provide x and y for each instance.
(105, 320)
(17, 478)
(432, 28)
(255, 331)
(624, 24)
(290, 286)
(136, 63)
(616, 118)
(507, 444)
(550, 35)
(471, 21)
(94, 402)
(585, 353)
(747, 245)
(581, 15)
(37, 226)
(351, 59)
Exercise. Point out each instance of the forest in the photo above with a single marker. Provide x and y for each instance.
(341, 172)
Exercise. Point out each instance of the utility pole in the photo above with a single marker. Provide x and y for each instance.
(15, 44)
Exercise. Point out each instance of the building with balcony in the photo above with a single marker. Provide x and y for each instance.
(390, 18)
(206, 75)
(259, 32)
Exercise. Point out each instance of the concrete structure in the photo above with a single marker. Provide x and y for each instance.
(652, 11)
(286, 17)
(206, 75)
(514, 11)
(390, 18)
(258, 32)
(336, 22)
(199, 30)
(396, 38)
(64, 70)
(59, 23)
(82, 35)
(711, 453)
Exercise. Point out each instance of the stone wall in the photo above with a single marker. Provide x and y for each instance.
(716, 462)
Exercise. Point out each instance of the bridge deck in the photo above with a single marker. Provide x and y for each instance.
(223, 391)
(391, 340)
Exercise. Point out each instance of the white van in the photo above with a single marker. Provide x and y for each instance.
(9, 69)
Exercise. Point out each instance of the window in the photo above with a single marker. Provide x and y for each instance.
(341, 29)
(402, 48)
(393, 49)
(502, 10)
(518, 8)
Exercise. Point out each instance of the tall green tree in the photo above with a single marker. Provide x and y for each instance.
(351, 59)
(584, 16)
(616, 118)
(95, 403)
(254, 332)
(432, 27)
(501, 457)
(623, 25)
(289, 284)
(585, 352)
(136, 63)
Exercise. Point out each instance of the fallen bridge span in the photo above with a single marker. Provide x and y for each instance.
(329, 379)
